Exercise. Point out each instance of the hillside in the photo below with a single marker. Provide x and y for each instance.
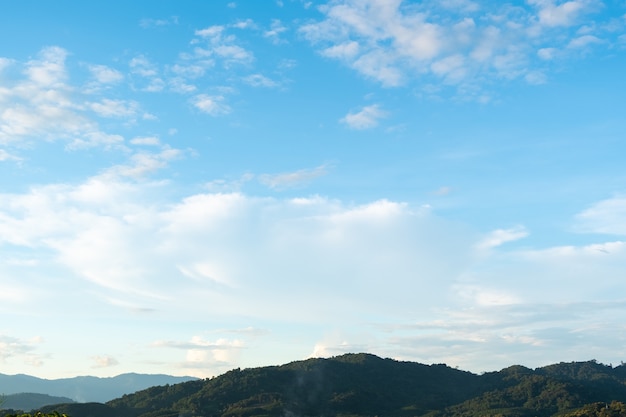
(85, 388)
(30, 401)
(366, 385)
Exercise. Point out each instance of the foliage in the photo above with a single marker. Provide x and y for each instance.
(362, 385)
(38, 414)
(599, 409)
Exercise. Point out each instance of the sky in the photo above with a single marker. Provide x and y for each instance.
(190, 187)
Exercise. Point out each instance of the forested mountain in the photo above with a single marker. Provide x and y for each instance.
(366, 385)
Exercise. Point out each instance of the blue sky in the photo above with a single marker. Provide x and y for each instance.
(187, 188)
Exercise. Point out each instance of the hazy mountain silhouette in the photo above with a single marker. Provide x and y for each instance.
(85, 388)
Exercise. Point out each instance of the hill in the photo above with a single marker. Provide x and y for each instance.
(365, 385)
(85, 388)
(31, 401)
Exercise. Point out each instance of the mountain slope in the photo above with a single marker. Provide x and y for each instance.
(85, 388)
(360, 385)
(354, 384)
(31, 401)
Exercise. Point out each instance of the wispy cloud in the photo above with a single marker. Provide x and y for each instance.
(104, 361)
(105, 75)
(292, 179)
(151, 23)
(607, 217)
(213, 105)
(366, 118)
(259, 80)
(501, 236)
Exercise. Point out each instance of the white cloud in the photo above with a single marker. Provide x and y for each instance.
(223, 46)
(546, 53)
(563, 14)
(11, 347)
(44, 106)
(5, 63)
(49, 68)
(396, 43)
(213, 105)
(259, 80)
(292, 179)
(146, 141)
(150, 80)
(536, 78)
(96, 139)
(233, 53)
(210, 32)
(144, 163)
(225, 255)
(583, 41)
(244, 24)
(6, 156)
(104, 361)
(275, 31)
(501, 236)
(115, 108)
(367, 118)
(606, 216)
(105, 75)
(344, 51)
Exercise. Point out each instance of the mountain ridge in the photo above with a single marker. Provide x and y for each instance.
(365, 385)
(86, 388)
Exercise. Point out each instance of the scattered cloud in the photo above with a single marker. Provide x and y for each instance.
(367, 118)
(146, 141)
(146, 74)
(583, 41)
(221, 45)
(455, 42)
(104, 361)
(44, 106)
(11, 347)
(105, 75)
(201, 354)
(212, 105)
(115, 108)
(6, 156)
(143, 164)
(501, 236)
(259, 80)
(292, 179)
(564, 14)
(147, 23)
(607, 217)
(275, 31)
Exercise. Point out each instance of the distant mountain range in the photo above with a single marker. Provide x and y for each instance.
(364, 385)
(85, 388)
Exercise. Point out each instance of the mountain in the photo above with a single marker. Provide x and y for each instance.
(30, 401)
(85, 388)
(363, 385)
